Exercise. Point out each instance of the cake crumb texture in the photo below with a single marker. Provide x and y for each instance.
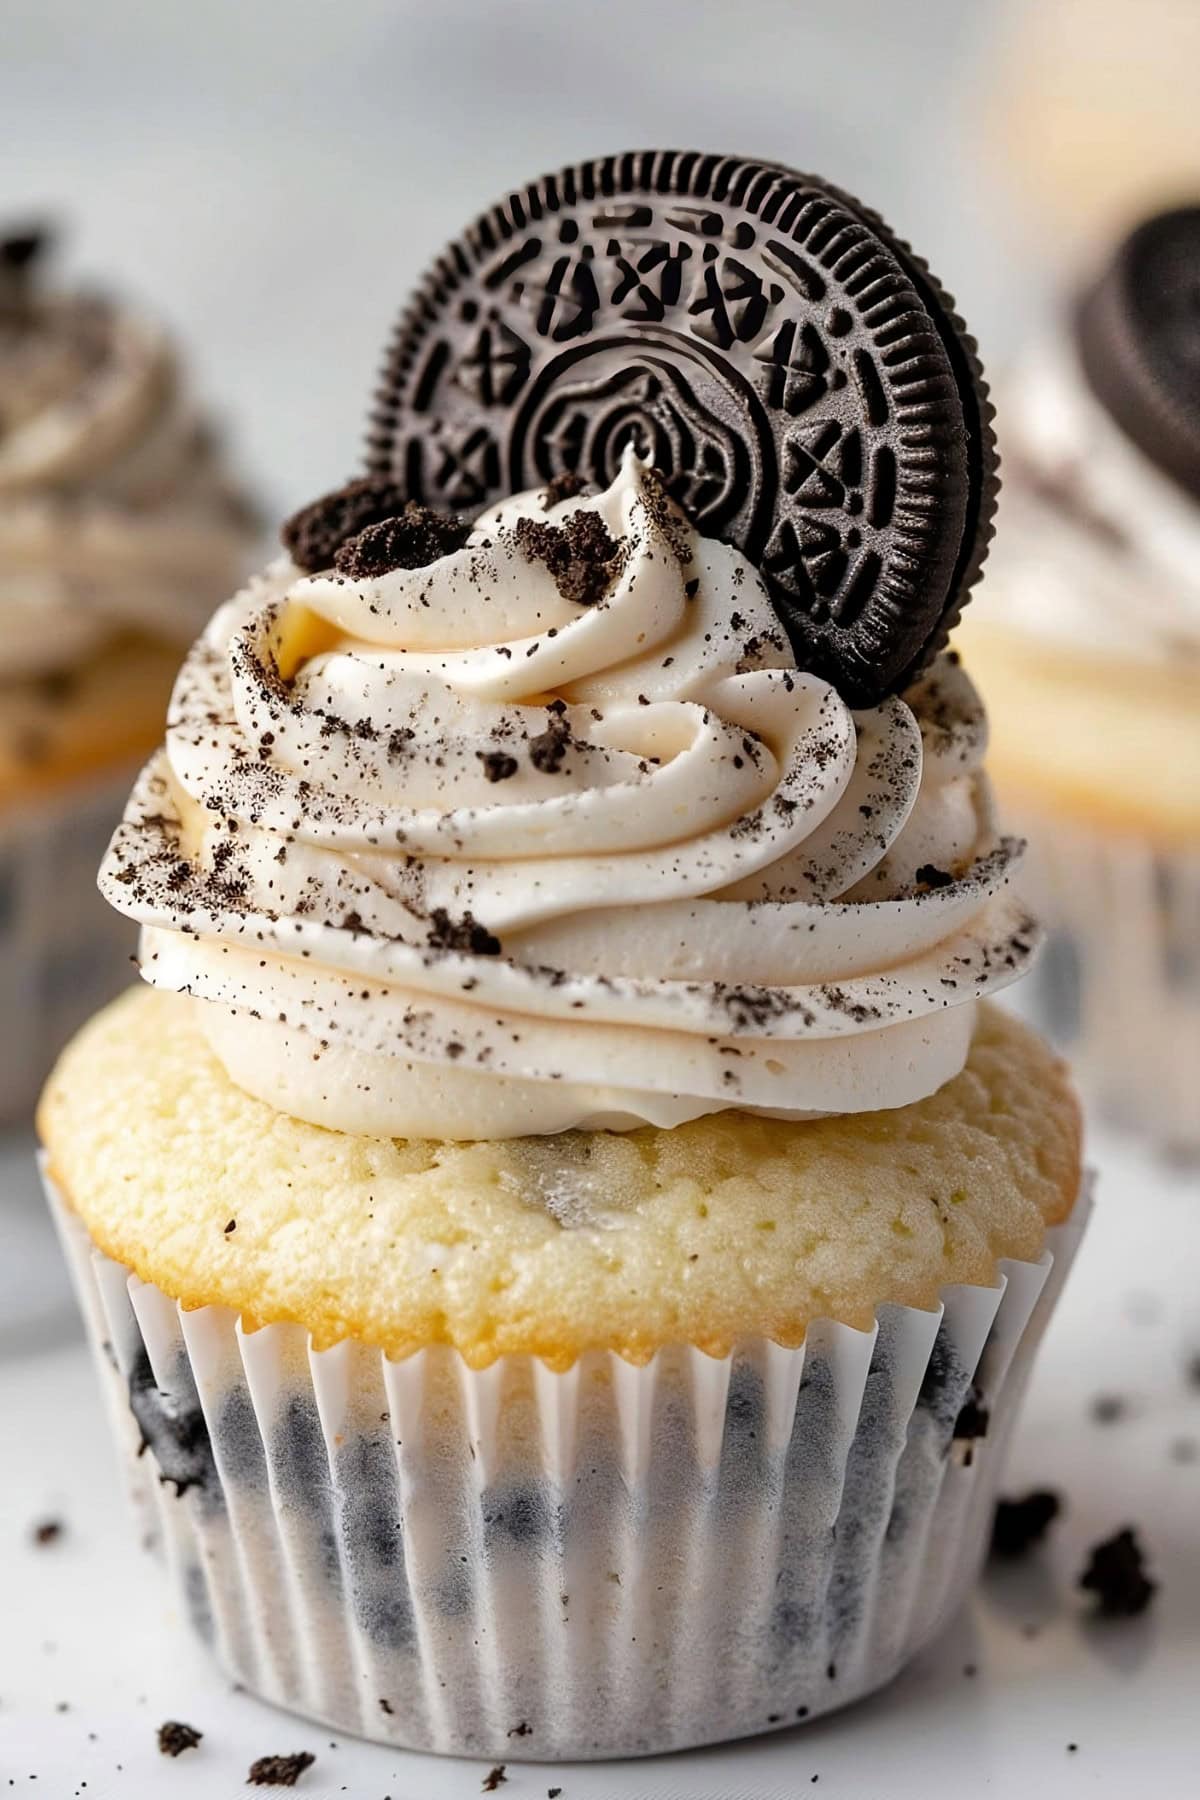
(728, 1227)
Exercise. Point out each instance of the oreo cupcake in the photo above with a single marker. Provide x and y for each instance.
(563, 1198)
(118, 534)
(1088, 639)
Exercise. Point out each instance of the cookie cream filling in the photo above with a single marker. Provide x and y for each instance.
(552, 832)
(1098, 549)
(114, 512)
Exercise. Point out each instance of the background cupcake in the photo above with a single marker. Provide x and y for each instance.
(564, 1205)
(1087, 643)
(119, 530)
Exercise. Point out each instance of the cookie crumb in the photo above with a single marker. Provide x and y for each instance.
(497, 765)
(314, 535)
(1107, 1409)
(174, 1737)
(564, 486)
(494, 1778)
(280, 1771)
(47, 1531)
(413, 539)
(1019, 1524)
(1116, 1575)
(465, 934)
(581, 555)
(971, 1425)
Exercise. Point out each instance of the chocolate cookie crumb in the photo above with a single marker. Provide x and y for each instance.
(972, 1421)
(20, 249)
(280, 1771)
(1116, 1574)
(1106, 1409)
(1019, 1524)
(412, 539)
(174, 1737)
(521, 1730)
(47, 1531)
(580, 554)
(553, 1793)
(466, 933)
(494, 1778)
(231, 1227)
(928, 875)
(563, 486)
(497, 766)
(549, 748)
(314, 535)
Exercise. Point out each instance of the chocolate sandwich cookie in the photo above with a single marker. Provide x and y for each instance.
(790, 366)
(22, 248)
(1138, 331)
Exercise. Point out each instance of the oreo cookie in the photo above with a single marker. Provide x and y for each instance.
(22, 249)
(24, 245)
(1138, 332)
(794, 371)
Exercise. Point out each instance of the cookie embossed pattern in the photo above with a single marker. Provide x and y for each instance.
(753, 331)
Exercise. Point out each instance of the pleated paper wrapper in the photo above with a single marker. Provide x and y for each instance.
(63, 952)
(614, 1560)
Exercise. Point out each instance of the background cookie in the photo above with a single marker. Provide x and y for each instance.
(1138, 330)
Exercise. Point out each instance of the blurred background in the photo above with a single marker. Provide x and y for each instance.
(272, 176)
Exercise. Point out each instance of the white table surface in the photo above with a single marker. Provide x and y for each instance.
(93, 1655)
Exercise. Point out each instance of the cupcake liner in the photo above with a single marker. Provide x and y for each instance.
(1118, 984)
(63, 952)
(609, 1561)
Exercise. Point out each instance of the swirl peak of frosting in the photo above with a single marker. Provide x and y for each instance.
(551, 832)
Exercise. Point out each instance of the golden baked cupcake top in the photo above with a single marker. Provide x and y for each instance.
(725, 1227)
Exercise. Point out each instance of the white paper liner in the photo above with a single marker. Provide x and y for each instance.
(63, 952)
(1118, 984)
(609, 1561)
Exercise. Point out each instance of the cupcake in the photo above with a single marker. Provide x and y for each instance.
(563, 1219)
(1087, 640)
(119, 533)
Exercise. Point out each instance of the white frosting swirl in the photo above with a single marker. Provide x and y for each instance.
(448, 854)
(1097, 549)
(115, 514)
